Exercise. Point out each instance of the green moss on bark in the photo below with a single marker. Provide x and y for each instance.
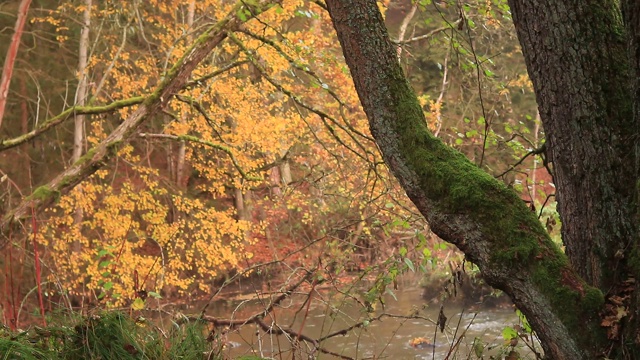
(517, 239)
(44, 193)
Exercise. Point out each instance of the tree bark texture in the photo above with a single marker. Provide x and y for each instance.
(576, 56)
(82, 93)
(83, 89)
(464, 205)
(181, 179)
(631, 17)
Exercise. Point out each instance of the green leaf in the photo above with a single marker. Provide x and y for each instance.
(478, 347)
(525, 322)
(241, 15)
(104, 264)
(154, 295)
(458, 141)
(108, 285)
(388, 291)
(422, 240)
(104, 252)
(509, 333)
(409, 264)
(138, 304)
(402, 251)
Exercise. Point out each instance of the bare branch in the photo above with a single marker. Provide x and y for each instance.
(194, 139)
(537, 151)
(427, 35)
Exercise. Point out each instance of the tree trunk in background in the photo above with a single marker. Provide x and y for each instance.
(276, 179)
(577, 60)
(81, 99)
(469, 208)
(631, 16)
(24, 128)
(181, 179)
(243, 204)
(7, 70)
(83, 91)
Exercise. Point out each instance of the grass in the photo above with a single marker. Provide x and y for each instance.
(109, 335)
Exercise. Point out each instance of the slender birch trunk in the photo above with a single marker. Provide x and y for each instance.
(182, 150)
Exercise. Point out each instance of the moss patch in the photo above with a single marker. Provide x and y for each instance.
(44, 193)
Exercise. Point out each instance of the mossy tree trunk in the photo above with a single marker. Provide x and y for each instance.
(576, 54)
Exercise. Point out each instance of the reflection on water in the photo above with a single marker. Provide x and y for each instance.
(390, 337)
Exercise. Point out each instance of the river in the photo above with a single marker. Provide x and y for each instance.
(388, 338)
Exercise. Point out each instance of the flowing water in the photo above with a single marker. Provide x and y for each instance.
(387, 338)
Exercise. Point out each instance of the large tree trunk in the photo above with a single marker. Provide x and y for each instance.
(464, 205)
(577, 59)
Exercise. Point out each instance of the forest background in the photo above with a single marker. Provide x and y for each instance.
(264, 157)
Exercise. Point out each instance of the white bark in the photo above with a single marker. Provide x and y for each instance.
(182, 149)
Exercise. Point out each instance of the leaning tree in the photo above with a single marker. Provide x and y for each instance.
(583, 58)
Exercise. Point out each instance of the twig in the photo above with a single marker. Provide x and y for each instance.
(194, 139)
(537, 151)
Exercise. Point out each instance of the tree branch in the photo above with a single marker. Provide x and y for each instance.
(70, 112)
(537, 151)
(194, 139)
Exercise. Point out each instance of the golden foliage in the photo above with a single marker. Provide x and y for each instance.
(288, 105)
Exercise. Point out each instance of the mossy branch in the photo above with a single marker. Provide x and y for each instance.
(70, 112)
(101, 109)
(210, 144)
